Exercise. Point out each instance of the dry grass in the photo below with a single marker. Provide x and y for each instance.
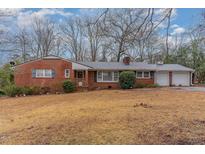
(143, 116)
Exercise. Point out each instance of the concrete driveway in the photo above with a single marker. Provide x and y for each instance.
(202, 89)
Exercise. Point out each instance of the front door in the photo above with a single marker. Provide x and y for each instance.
(80, 78)
(80, 74)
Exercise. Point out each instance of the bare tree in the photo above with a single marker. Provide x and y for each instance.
(21, 41)
(120, 25)
(4, 14)
(129, 28)
(167, 34)
(43, 37)
(93, 34)
(72, 35)
(143, 46)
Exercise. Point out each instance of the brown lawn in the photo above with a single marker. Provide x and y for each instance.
(140, 116)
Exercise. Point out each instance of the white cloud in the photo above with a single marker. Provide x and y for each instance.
(8, 11)
(4, 28)
(45, 12)
(174, 26)
(159, 15)
(178, 30)
(161, 12)
(24, 18)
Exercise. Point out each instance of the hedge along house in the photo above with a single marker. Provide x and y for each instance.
(51, 71)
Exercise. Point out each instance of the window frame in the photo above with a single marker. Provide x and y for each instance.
(143, 77)
(65, 73)
(138, 76)
(113, 76)
(148, 75)
(44, 73)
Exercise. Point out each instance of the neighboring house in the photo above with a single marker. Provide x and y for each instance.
(50, 71)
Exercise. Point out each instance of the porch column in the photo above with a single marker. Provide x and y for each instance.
(86, 78)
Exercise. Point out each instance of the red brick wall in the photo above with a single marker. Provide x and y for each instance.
(94, 85)
(23, 72)
(145, 81)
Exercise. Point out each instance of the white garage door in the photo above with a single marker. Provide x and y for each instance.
(181, 78)
(162, 78)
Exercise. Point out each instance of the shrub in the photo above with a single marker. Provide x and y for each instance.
(19, 91)
(140, 85)
(45, 90)
(12, 90)
(143, 85)
(27, 90)
(36, 90)
(127, 79)
(2, 93)
(68, 86)
(152, 85)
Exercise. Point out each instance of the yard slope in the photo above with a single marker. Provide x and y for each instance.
(139, 116)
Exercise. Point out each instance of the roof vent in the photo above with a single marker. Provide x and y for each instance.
(160, 63)
(126, 60)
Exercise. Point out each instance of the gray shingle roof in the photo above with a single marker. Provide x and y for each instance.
(122, 66)
(135, 66)
(172, 67)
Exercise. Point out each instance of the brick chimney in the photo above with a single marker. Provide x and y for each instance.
(126, 60)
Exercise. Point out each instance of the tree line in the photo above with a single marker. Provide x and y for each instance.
(108, 35)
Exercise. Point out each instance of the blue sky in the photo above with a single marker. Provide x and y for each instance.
(185, 17)
(188, 17)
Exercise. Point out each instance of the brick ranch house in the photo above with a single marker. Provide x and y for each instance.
(50, 71)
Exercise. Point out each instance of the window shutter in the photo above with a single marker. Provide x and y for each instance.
(53, 73)
(95, 76)
(33, 73)
(152, 75)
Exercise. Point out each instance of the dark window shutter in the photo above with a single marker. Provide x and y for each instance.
(33, 73)
(95, 76)
(152, 75)
(53, 73)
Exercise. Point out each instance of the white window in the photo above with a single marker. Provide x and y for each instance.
(146, 74)
(48, 73)
(67, 73)
(43, 73)
(116, 76)
(143, 74)
(99, 76)
(107, 76)
(139, 74)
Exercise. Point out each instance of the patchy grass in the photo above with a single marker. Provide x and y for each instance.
(139, 116)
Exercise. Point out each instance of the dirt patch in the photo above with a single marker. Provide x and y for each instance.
(144, 105)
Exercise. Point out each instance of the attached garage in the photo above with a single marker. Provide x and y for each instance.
(173, 74)
(181, 78)
(162, 78)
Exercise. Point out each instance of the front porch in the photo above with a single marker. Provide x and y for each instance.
(81, 78)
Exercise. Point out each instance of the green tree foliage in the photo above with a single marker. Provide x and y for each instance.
(127, 79)
(192, 56)
(6, 75)
(201, 72)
